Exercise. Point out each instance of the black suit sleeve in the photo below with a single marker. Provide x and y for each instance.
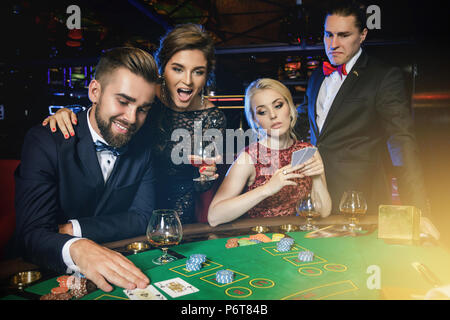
(36, 201)
(392, 106)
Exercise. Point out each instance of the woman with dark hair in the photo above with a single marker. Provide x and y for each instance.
(186, 63)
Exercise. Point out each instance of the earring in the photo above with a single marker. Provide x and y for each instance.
(163, 89)
(203, 96)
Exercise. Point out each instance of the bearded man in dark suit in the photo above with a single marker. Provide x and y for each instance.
(95, 188)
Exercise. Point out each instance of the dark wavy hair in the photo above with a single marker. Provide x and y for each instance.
(187, 37)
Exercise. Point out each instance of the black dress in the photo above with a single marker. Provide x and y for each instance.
(175, 188)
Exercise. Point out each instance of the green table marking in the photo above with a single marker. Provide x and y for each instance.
(339, 269)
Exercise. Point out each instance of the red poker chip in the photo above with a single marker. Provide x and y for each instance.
(59, 290)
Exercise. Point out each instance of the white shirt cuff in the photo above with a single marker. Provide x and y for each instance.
(71, 267)
(76, 228)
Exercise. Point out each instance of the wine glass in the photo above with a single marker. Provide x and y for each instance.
(308, 208)
(164, 230)
(203, 155)
(353, 204)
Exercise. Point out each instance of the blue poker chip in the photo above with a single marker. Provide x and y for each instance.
(193, 266)
(283, 248)
(255, 241)
(198, 257)
(289, 241)
(306, 256)
(224, 276)
(224, 280)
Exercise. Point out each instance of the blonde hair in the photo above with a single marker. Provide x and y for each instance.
(266, 83)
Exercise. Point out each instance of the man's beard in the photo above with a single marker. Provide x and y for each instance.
(114, 140)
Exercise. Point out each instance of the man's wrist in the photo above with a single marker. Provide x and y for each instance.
(67, 257)
(66, 228)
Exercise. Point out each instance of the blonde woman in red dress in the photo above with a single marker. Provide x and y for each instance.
(261, 181)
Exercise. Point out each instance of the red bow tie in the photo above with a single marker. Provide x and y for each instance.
(328, 69)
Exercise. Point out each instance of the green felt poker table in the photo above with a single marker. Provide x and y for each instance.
(350, 267)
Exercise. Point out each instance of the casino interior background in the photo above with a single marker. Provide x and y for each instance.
(44, 65)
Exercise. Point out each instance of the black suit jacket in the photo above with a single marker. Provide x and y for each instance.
(368, 119)
(60, 179)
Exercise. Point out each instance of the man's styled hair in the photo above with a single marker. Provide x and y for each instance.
(346, 8)
(136, 60)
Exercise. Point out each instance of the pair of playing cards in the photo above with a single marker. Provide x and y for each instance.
(176, 287)
(302, 155)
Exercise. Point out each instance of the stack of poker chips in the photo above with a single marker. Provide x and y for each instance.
(70, 287)
(306, 256)
(224, 276)
(195, 262)
(285, 244)
(232, 243)
(277, 237)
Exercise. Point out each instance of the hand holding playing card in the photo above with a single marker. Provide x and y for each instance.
(313, 166)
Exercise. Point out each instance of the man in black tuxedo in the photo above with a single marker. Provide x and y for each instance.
(358, 113)
(94, 188)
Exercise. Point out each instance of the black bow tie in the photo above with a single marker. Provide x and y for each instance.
(100, 146)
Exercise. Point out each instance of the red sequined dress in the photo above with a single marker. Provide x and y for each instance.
(267, 161)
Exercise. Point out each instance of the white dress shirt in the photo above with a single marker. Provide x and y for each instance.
(329, 89)
(106, 160)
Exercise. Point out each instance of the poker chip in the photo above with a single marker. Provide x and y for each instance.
(283, 246)
(277, 236)
(261, 237)
(255, 241)
(70, 282)
(224, 276)
(306, 256)
(232, 243)
(200, 258)
(79, 293)
(52, 296)
(78, 283)
(288, 241)
(245, 242)
(193, 265)
(62, 279)
(59, 290)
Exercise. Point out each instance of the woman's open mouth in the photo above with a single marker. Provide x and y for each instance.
(184, 95)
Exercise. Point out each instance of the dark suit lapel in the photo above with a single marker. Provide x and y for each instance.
(112, 182)
(87, 154)
(343, 92)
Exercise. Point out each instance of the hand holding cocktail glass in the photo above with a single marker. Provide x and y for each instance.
(205, 155)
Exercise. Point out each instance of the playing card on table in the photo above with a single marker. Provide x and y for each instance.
(176, 287)
(149, 293)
